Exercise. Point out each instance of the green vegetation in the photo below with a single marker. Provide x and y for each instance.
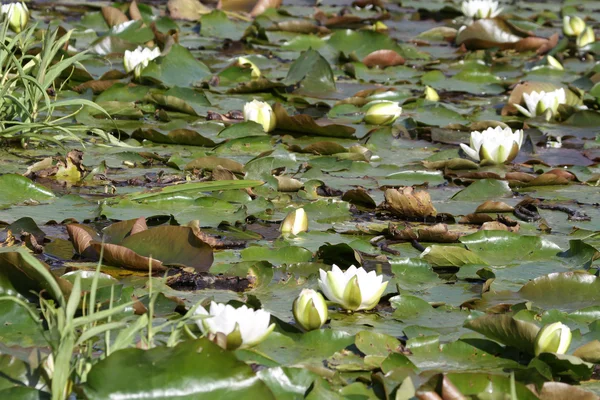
(374, 201)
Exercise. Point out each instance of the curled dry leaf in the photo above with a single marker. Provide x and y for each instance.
(134, 11)
(123, 257)
(438, 233)
(113, 16)
(407, 202)
(383, 58)
(498, 226)
(139, 226)
(82, 236)
(305, 124)
(359, 197)
(554, 177)
(496, 32)
(253, 7)
(288, 184)
(492, 206)
(188, 10)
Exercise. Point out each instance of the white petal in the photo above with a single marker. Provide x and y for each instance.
(470, 152)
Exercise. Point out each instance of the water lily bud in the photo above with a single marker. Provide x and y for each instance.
(261, 113)
(243, 61)
(358, 149)
(538, 102)
(554, 63)
(379, 26)
(17, 14)
(295, 222)
(310, 310)
(553, 338)
(354, 289)
(139, 58)
(494, 145)
(241, 327)
(573, 26)
(383, 113)
(480, 8)
(431, 94)
(587, 37)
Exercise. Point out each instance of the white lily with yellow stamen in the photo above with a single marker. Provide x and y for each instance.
(494, 145)
(539, 102)
(479, 9)
(354, 289)
(553, 338)
(243, 327)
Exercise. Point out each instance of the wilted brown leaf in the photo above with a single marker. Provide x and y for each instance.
(123, 257)
(438, 233)
(188, 10)
(82, 236)
(134, 11)
(113, 16)
(407, 202)
(492, 206)
(305, 124)
(383, 58)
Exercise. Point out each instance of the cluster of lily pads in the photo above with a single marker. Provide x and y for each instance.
(386, 289)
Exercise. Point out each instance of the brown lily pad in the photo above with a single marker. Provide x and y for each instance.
(383, 58)
(438, 233)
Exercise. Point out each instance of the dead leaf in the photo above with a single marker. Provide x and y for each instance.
(188, 10)
(407, 202)
(437, 233)
(123, 257)
(139, 226)
(306, 125)
(134, 11)
(82, 236)
(113, 16)
(492, 206)
(383, 58)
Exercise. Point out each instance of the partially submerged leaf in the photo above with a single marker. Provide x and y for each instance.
(306, 125)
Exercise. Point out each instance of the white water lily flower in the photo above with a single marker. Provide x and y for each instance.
(243, 326)
(383, 113)
(573, 26)
(480, 8)
(17, 14)
(491, 30)
(354, 289)
(139, 58)
(115, 30)
(310, 309)
(587, 37)
(553, 338)
(538, 103)
(295, 222)
(261, 113)
(497, 145)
